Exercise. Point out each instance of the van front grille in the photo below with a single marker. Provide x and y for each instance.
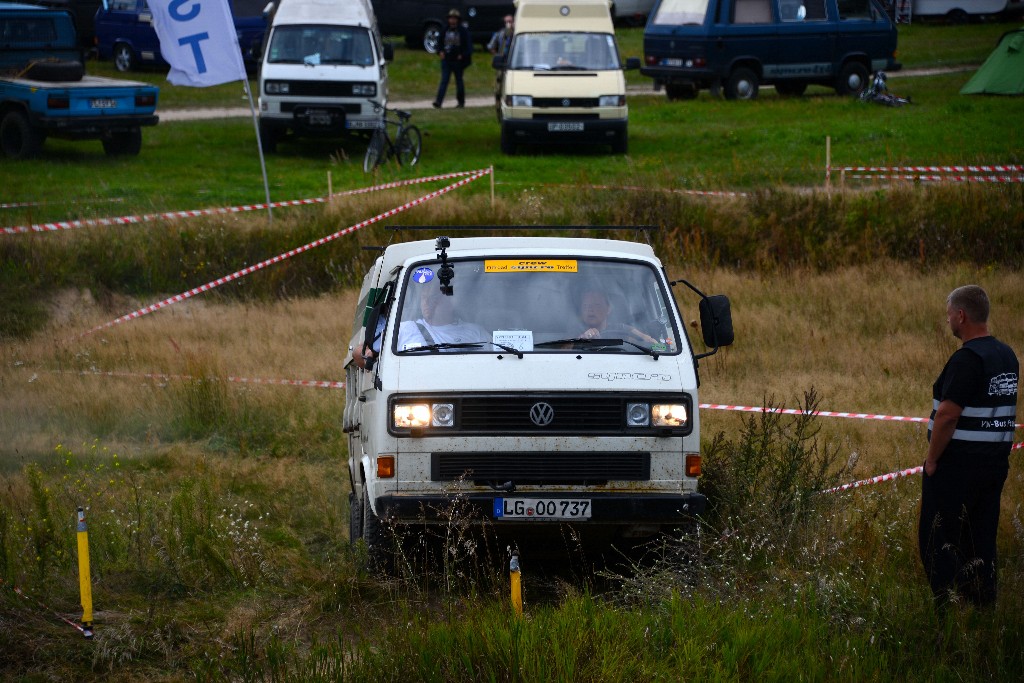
(575, 467)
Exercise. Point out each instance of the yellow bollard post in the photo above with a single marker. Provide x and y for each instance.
(516, 584)
(84, 580)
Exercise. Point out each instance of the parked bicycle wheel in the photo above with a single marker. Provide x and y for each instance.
(409, 146)
(374, 150)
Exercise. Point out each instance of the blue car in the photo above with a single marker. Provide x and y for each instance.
(125, 33)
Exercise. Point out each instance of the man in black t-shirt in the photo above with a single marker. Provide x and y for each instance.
(970, 435)
(456, 53)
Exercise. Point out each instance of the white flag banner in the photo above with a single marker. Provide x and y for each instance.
(198, 40)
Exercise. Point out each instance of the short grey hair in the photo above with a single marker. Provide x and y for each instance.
(972, 300)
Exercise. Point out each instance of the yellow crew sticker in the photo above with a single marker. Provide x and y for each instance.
(529, 266)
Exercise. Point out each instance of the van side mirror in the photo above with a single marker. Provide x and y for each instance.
(389, 51)
(632, 63)
(716, 321)
(498, 62)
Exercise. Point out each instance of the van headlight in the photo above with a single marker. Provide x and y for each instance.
(519, 100)
(611, 101)
(660, 415)
(276, 87)
(364, 89)
(669, 415)
(419, 415)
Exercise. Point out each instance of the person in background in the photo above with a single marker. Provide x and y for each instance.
(970, 435)
(455, 53)
(502, 39)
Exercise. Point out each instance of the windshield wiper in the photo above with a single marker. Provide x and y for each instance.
(445, 345)
(463, 345)
(598, 340)
(510, 349)
(582, 340)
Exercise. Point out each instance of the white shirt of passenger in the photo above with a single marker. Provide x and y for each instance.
(458, 332)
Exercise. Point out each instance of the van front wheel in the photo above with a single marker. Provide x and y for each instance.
(852, 79)
(742, 85)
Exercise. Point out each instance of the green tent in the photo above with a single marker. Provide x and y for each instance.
(1003, 71)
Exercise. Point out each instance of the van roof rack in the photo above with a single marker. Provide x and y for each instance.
(442, 229)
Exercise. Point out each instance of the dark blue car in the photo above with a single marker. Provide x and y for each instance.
(737, 45)
(125, 33)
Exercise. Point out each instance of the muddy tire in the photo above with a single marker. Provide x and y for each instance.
(18, 139)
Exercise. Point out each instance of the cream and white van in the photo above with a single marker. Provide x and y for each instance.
(562, 80)
(323, 68)
(544, 385)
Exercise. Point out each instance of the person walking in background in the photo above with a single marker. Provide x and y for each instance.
(501, 40)
(970, 435)
(456, 53)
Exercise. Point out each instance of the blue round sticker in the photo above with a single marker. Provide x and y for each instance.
(422, 275)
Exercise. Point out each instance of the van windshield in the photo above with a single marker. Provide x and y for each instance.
(537, 305)
(313, 45)
(680, 12)
(564, 51)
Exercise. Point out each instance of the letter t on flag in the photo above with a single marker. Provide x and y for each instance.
(198, 40)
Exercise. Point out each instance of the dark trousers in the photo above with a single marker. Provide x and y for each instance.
(447, 70)
(957, 532)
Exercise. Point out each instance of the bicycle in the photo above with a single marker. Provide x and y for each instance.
(406, 144)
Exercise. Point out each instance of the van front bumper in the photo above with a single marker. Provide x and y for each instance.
(606, 508)
(566, 131)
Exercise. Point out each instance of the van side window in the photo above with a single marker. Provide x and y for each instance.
(855, 9)
(30, 30)
(681, 12)
(752, 12)
(802, 10)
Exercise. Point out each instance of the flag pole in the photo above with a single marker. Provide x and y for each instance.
(259, 146)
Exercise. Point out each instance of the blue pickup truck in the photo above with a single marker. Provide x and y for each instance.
(44, 91)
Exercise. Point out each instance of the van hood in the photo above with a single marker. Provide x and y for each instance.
(505, 372)
(565, 84)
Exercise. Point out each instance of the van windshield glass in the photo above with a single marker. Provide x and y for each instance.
(537, 305)
(564, 51)
(313, 45)
(680, 12)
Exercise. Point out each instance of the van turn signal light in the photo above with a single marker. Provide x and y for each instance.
(692, 465)
(386, 466)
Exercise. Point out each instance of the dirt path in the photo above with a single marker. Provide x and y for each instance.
(197, 114)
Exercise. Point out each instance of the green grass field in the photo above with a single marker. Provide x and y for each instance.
(218, 513)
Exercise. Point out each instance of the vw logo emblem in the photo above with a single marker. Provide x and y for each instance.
(565, 103)
(542, 414)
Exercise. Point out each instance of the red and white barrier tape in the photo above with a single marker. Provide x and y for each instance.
(288, 254)
(172, 215)
(943, 178)
(875, 480)
(315, 383)
(44, 607)
(1005, 168)
(818, 413)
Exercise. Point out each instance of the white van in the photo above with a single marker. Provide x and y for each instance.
(323, 69)
(544, 384)
(957, 11)
(562, 80)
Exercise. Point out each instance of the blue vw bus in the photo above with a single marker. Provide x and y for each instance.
(735, 46)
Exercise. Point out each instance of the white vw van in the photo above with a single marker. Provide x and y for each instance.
(323, 67)
(544, 384)
(562, 80)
